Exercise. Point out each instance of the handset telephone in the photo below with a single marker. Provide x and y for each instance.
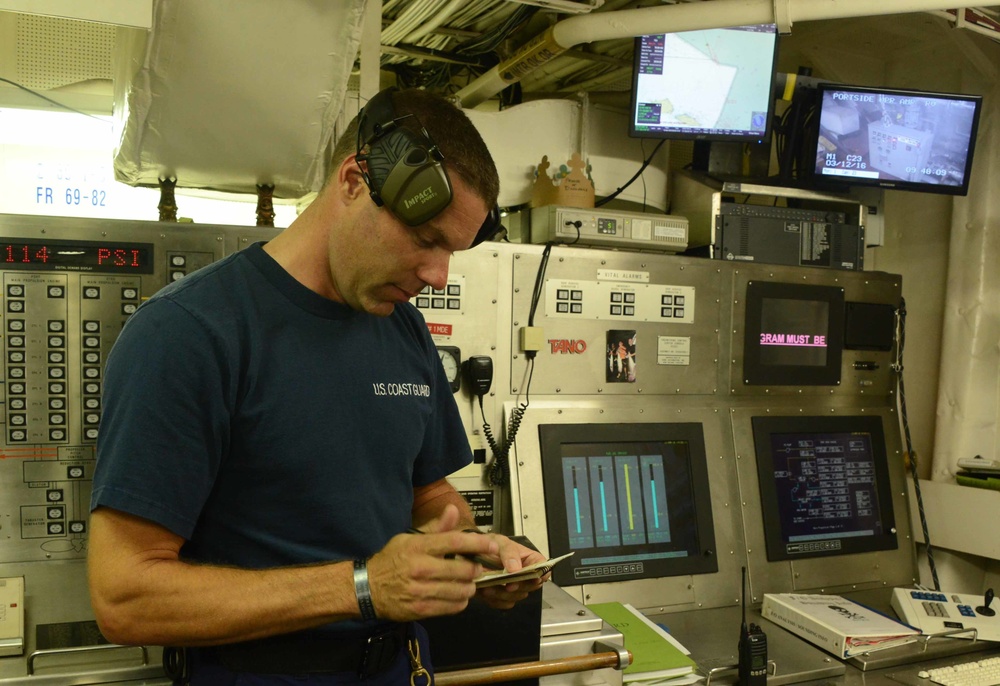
(752, 648)
(478, 371)
(478, 377)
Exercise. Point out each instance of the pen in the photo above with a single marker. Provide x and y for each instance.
(486, 563)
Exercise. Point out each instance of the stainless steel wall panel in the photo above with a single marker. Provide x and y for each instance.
(471, 315)
(569, 385)
(658, 595)
(823, 574)
(670, 304)
(856, 384)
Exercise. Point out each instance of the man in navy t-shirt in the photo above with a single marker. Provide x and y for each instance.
(275, 423)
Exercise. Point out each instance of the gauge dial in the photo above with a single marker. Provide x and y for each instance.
(451, 360)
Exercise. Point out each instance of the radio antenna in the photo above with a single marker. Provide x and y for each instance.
(743, 599)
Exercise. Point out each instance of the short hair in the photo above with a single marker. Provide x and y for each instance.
(465, 152)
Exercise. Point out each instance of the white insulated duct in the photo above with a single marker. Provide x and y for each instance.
(229, 95)
(683, 17)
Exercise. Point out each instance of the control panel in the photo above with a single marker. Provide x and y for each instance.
(899, 150)
(935, 612)
(610, 228)
(784, 235)
(11, 616)
(67, 287)
(639, 302)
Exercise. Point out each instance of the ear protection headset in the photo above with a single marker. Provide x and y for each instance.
(405, 168)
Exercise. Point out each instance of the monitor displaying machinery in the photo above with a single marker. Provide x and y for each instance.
(907, 140)
(631, 501)
(824, 486)
(713, 84)
(794, 334)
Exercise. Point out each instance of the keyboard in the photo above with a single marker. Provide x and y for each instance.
(981, 673)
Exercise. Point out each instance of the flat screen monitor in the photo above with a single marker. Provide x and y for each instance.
(899, 139)
(824, 486)
(794, 334)
(632, 501)
(712, 85)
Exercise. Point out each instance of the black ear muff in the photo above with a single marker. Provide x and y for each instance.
(417, 157)
(414, 186)
(405, 170)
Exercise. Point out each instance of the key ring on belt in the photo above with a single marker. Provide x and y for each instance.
(417, 670)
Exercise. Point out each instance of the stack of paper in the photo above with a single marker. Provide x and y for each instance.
(836, 624)
(657, 657)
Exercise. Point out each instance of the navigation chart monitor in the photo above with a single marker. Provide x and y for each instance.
(630, 500)
(713, 84)
(906, 140)
(824, 486)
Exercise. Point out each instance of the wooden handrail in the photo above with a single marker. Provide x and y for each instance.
(528, 670)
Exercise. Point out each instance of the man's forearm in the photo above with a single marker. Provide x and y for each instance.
(183, 604)
(430, 501)
(144, 593)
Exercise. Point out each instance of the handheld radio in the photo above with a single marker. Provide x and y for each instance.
(752, 648)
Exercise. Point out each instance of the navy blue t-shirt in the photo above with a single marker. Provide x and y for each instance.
(268, 425)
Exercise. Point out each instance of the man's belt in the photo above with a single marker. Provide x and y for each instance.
(312, 654)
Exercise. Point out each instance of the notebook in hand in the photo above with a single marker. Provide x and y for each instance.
(535, 571)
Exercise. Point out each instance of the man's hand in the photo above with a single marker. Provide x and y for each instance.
(418, 576)
(514, 556)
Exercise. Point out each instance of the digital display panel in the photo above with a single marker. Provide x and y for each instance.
(824, 485)
(794, 334)
(77, 256)
(712, 84)
(902, 139)
(631, 501)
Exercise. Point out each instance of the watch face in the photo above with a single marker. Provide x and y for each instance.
(451, 361)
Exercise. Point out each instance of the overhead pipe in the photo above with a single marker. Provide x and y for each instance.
(976, 20)
(692, 16)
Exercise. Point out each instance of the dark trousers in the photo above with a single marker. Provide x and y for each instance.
(398, 673)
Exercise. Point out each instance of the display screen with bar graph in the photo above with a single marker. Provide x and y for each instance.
(631, 500)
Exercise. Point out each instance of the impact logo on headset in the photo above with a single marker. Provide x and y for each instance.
(424, 196)
(401, 160)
